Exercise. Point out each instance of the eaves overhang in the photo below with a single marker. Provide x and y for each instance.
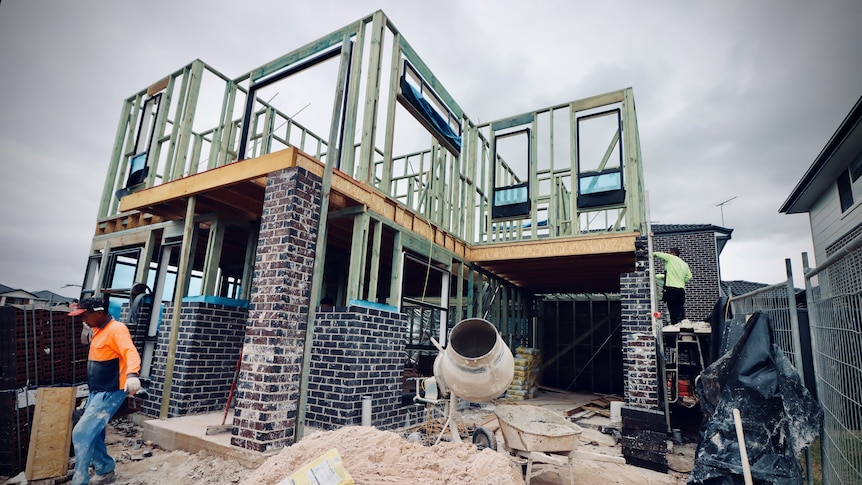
(842, 148)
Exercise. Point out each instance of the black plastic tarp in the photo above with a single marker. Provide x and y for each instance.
(779, 416)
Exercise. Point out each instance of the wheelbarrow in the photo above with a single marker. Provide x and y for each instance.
(532, 434)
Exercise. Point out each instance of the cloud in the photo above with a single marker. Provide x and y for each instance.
(733, 98)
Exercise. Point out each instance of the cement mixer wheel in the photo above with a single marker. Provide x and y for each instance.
(484, 438)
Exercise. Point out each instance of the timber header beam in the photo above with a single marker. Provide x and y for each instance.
(576, 246)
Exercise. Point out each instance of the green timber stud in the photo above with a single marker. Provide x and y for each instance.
(636, 211)
(533, 180)
(188, 116)
(374, 269)
(395, 280)
(347, 150)
(223, 134)
(109, 202)
(159, 128)
(215, 241)
(332, 159)
(248, 262)
(389, 131)
(179, 293)
(171, 171)
(359, 243)
(146, 257)
(119, 181)
(131, 133)
(372, 100)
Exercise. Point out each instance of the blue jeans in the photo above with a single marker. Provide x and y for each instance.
(88, 437)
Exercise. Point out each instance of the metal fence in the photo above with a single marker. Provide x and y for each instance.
(834, 292)
(834, 315)
(779, 302)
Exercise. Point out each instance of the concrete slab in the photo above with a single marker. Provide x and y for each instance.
(189, 433)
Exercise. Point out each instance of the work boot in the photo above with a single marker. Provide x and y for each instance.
(103, 479)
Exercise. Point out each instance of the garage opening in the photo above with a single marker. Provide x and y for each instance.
(581, 339)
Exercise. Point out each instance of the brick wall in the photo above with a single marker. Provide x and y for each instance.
(208, 346)
(699, 251)
(359, 352)
(268, 388)
(40, 347)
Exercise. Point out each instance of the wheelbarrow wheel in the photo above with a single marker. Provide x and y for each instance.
(484, 438)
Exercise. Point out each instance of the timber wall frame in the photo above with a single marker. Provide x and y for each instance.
(195, 130)
(204, 120)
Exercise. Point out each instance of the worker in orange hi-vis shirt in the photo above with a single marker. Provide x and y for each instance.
(113, 365)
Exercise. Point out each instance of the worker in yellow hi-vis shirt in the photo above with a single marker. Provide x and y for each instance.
(677, 274)
(113, 365)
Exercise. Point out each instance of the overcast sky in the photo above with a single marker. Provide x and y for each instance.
(734, 98)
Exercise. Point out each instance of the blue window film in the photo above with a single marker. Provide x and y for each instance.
(591, 184)
(510, 195)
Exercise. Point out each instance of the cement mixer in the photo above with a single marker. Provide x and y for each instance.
(476, 366)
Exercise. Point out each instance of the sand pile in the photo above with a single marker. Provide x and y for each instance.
(375, 457)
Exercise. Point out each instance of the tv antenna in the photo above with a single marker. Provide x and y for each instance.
(721, 205)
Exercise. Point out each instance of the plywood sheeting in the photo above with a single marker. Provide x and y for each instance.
(51, 433)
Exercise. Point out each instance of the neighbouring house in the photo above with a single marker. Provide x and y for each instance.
(740, 287)
(830, 192)
(701, 246)
(13, 296)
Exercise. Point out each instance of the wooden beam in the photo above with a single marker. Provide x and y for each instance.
(582, 245)
(216, 178)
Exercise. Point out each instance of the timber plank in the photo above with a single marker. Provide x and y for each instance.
(50, 436)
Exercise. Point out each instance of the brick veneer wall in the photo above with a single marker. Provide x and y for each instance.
(268, 387)
(699, 251)
(359, 352)
(208, 346)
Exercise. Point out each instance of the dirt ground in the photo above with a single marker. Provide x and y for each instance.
(372, 456)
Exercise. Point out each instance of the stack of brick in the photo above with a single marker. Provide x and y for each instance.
(527, 368)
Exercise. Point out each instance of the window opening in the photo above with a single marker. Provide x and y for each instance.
(422, 102)
(845, 190)
(120, 272)
(512, 161)
(251, 99)
(600, 176)
(139, 161)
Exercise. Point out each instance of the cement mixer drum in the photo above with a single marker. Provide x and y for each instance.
(476, 365)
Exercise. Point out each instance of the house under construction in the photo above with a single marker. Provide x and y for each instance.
(344, 169)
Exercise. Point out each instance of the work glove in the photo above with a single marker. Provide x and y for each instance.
(133, 385)
(86, 334)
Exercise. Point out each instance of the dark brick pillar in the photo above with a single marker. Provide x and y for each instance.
(268, 388)
(208, 346)
(643, 440)
(359, 352)
(639, 346)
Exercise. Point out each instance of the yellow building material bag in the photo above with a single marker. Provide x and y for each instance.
(327, 469)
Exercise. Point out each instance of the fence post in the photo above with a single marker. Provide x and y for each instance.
(813, 323)
(794, 321)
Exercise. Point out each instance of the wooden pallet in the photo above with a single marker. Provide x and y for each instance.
(600, 406)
